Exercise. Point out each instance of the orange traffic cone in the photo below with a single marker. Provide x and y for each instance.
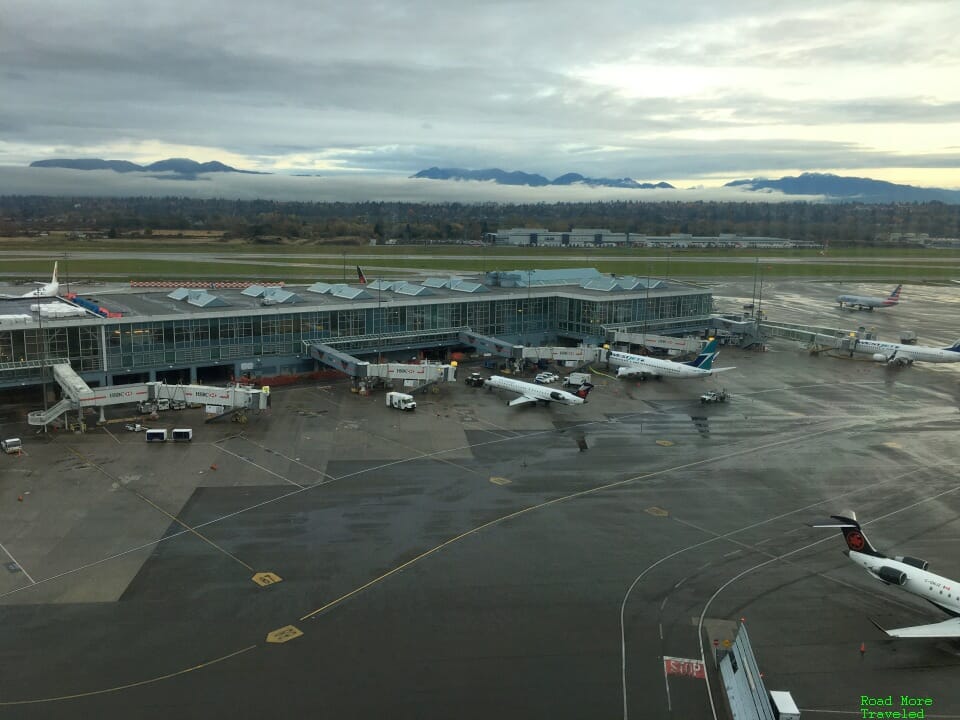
(863, 649)
(19, 498)
(213, 467)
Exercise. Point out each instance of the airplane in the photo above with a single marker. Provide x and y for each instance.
(909, 573)
(533, 393)
(632, 365)
(899, 354)
(49, 289)
(865, 302)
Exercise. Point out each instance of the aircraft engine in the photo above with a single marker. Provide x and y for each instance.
(879, 357)
(894, 577)
(915, 562)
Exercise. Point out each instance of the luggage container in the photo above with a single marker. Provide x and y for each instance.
(182, 434)
(156, 435)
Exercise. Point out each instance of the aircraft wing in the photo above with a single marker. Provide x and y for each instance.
(522, 400)
(946, 629)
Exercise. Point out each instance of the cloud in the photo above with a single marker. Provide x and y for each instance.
(104, 183)
(509, 83)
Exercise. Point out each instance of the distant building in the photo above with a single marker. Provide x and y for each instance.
(601, 237)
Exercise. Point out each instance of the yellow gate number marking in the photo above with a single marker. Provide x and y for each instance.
(499, 481)
(665, 443)
(288, 632)
(266, 578)
(657, 511)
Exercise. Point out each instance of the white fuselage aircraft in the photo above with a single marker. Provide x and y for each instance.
(908, 573)
(634, 365)
(899, 354)
(533, 393)
(49, 289)
(865, 302)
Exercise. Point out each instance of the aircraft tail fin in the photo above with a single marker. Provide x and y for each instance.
(853, 535)
(584, 390)
(955, 347)
(53, 280)
(705, 359)
(894, 297)
(360, 276)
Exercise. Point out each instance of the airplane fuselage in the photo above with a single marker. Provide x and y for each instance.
(631, 364)
(909, 353)
(942, 592)
(542, 393)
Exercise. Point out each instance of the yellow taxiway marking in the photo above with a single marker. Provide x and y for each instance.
(118, 688)
(894, 445)
(263, 579)
(657, 511)
(284, 634)
(499, 480)
(665, 443)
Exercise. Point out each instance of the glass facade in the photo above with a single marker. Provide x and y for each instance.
(142, 345)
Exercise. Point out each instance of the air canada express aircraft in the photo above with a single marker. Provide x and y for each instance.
(909, 573)
(533, 393)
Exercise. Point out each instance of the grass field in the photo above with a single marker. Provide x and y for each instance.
(332, 263)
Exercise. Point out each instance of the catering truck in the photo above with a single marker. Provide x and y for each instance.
(401, 401)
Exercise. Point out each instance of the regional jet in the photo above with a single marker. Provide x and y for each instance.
(909, 573)
(865, 302)
(899, 354)
(49, 289)
(533, 393)
(633, 365)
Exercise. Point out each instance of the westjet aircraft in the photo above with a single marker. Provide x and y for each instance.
(633, 365)
(49, 289)
(532, 393)
(865, 302)
(899, 354)
(906, 572)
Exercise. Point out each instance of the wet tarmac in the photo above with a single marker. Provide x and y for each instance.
(472, 560)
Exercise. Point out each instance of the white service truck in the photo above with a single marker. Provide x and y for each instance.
(576, 379)
(401, 401)
(11, 446)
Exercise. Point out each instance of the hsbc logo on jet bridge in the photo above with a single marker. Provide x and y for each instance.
(409, 371)
(211, 394)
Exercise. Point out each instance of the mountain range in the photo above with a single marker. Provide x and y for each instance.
(181, 166)
(503, 177)
(843, 188)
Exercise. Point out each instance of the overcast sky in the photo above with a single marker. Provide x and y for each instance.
(690, 92)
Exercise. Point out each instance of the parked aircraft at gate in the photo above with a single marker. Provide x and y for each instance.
(532, 393)
(633, 365)
(906, 572)
(49, 289)
(899, 354)
(865, 302)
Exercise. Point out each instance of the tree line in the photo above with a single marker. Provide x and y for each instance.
(841, 223)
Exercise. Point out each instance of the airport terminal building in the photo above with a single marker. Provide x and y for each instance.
(215, 334)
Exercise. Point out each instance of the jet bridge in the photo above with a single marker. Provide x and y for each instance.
(78, 395)
(412, 375)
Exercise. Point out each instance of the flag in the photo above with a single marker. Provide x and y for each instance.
(360, 275)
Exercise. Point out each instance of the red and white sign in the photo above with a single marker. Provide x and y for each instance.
(683, 666)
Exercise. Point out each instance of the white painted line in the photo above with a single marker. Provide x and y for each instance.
(666, 681)
(22, 568)
(681, 581)
(111, 434)
(664, 601)
(256, 465)
(660, 625)
(732, 553)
